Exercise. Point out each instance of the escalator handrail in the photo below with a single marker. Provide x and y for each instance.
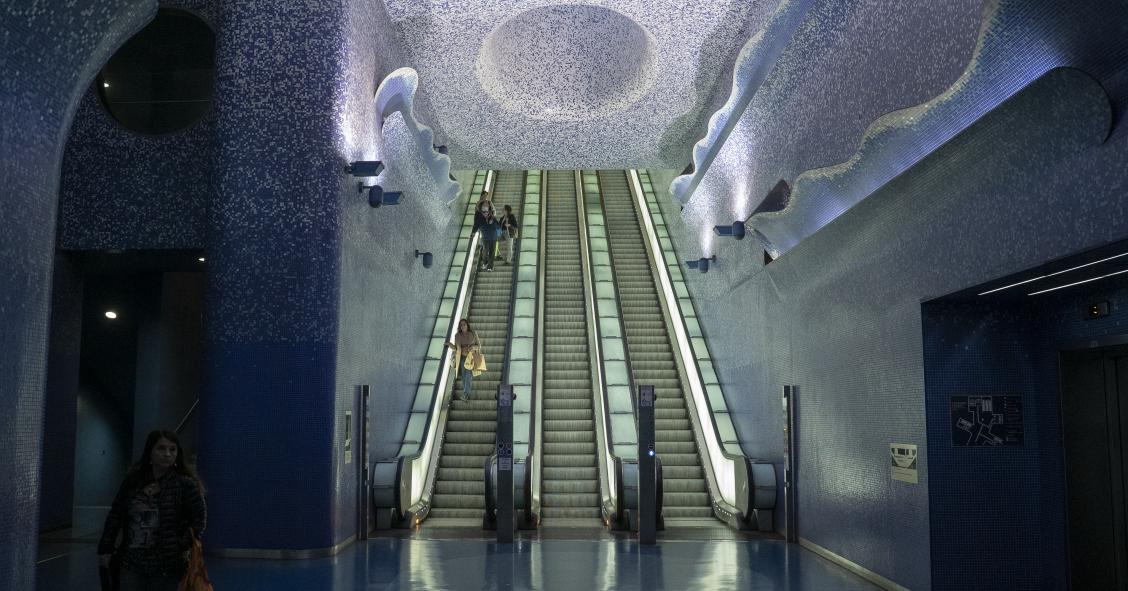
(612, 504)
(618, 301)
(536, 449)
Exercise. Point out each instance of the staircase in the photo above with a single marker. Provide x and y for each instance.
(570, 475)
(684, 493)
(471, 426)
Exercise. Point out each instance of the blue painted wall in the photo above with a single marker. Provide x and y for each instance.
(840, 314)
(48, 61)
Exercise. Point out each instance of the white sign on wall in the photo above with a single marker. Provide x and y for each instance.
(903, 462)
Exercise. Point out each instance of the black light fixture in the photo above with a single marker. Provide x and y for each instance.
(428, 258)
(701, 264)
(377, 196)
(441, 149)
(365, 168)
(736, 230)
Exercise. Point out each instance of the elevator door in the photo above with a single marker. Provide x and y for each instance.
(1094, 388)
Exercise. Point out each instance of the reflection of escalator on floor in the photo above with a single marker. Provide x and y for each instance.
(570, 476)
(651, 353)
(459, 486)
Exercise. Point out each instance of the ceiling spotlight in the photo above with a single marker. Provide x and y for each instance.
(105, 85)
(736, 230)
(365, 168)
(201, 259)
(701, 264)
(111, 314)
(377, 196)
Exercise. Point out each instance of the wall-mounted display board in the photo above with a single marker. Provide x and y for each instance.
(983, 421)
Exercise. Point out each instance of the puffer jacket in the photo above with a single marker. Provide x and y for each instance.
(180, 506)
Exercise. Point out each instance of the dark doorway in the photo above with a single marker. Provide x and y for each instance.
(1094, 395)
(125, 357)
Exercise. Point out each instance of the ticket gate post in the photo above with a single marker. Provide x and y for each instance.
(647, 472)
(505, 517)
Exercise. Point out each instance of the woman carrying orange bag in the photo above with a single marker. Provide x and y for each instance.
(159, 512)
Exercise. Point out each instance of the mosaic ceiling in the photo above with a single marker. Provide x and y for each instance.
(521, 84)
(790, 111)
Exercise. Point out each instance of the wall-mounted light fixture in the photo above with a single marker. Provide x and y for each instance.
(441, 149)
(428, 258)
(701, 264)
(377, 196)
(736, 230)
(365, 168)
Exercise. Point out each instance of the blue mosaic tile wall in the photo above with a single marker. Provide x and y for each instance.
(60, 404)
(1015, 496)
(983, 500)
(312, 292)
(125, 190)
(50, 55)
(840, 314)
(267, 402)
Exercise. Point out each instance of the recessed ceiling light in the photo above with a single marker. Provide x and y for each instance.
(105, 85)
(111, 314)
(201, 259)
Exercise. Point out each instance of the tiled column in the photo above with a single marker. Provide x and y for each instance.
(267, 402)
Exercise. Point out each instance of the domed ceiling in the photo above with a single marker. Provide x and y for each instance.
(518, 84)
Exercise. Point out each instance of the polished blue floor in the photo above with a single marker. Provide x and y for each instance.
(456, 564)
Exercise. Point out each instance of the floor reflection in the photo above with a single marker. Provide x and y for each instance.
(602, 564)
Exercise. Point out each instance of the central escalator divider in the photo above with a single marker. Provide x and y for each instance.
(471, 427)
(684, 490)
(570, 475)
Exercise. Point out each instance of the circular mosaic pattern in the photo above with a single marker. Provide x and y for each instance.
(567, 62)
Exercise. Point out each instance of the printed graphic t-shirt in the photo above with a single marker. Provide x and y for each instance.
(144, 517)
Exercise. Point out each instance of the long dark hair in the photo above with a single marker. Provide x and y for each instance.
(469, 329)
(143, 469)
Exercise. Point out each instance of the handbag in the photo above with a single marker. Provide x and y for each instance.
(196, 576)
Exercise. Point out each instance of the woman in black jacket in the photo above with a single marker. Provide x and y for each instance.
(156, 510)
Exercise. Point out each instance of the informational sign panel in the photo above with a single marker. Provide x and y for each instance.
(983, 421)
(903, 462)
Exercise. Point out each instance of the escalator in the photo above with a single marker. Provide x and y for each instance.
(570, 473)
(685, 493)
(459, 492)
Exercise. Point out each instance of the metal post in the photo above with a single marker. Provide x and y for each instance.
(505, 521)
(365, 501)
(647, 474)
(789, 463)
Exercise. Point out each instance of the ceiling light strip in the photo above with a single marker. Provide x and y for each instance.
(1079, 282)
(1053, 274)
